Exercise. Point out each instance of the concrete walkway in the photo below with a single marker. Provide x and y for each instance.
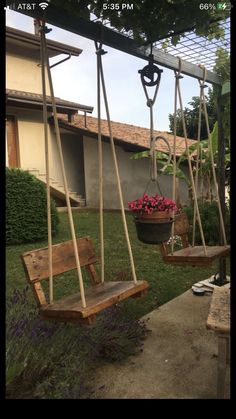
(179, 359)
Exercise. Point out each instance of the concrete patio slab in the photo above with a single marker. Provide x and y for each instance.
(179, 358)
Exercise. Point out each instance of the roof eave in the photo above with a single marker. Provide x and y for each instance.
(28, 38)
(38, 105)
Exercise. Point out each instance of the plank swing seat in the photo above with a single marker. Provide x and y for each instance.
(70, 309)
(191, 255)
(195, 256)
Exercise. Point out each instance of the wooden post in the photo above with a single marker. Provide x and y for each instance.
(223, 345)
(221, 178)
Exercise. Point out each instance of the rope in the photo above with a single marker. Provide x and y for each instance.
(47, 165)
(99, 52)
(213, 166)
(155, 179)
(201, 173)
(63, 171)
(153, 168)
(178, 76)
(149, 72)
(202, 87)
(158, 185)
(174, 160)
(117, 172)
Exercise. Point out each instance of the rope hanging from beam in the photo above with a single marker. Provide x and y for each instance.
(45, 62)
(194, 182)
(100, 52)
(151, 76)
(47, 159)
(210, 148)
(202, 87)
(178, 76)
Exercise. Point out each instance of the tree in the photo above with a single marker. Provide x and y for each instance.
(206, 187)
(148, 20)
(192, 116)
(222, 68)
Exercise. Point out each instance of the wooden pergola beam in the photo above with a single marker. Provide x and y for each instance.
(109, 37)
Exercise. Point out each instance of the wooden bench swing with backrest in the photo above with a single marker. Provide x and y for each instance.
(192, 255)
(42, 264)
(98, 297)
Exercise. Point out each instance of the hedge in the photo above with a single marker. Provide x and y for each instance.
(26, 208)
(210, 222)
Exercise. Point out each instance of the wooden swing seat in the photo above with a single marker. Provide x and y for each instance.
(189, 255)
(195, 256)
(69, 309)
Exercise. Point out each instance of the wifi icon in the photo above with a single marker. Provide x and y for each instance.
(43, 5)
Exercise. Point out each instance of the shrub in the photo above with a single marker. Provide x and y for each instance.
(49, 360)
(26, 208)
(210, 222)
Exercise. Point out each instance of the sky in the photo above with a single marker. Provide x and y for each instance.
(75, 80)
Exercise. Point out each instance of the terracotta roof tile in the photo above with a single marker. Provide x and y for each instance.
(131, 134)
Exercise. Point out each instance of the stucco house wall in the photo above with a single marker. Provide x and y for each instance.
(31, 138)
(134, 176)
(32, 149)
(23, 73)
(72, 149)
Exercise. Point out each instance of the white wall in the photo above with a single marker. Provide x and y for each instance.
(72, 149)
(32, 149)
(23, 74)
(32, 143)
(31, 138)
(134, 176)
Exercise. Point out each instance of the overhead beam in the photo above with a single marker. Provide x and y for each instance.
(96, 32)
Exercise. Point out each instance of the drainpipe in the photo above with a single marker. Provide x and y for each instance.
(37, 32)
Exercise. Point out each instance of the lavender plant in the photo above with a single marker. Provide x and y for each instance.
(53, 360)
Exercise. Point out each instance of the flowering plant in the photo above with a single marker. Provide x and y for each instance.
(149, 204)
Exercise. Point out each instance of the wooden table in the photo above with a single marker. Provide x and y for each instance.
(219, 321)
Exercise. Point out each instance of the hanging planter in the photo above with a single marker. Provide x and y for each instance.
(153, 217)
(153, 231)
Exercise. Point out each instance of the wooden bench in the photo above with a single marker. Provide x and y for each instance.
(219, 321)
(70, 309)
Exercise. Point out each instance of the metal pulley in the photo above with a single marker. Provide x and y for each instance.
(150, 72)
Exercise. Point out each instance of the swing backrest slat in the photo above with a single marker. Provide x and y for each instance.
(36, 263)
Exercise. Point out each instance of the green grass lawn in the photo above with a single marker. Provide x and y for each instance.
(51, 360)
(165, 281)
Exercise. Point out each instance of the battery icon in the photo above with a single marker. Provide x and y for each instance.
(224, 6)
(221, 6)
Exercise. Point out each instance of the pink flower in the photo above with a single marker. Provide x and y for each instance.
(149, 204)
